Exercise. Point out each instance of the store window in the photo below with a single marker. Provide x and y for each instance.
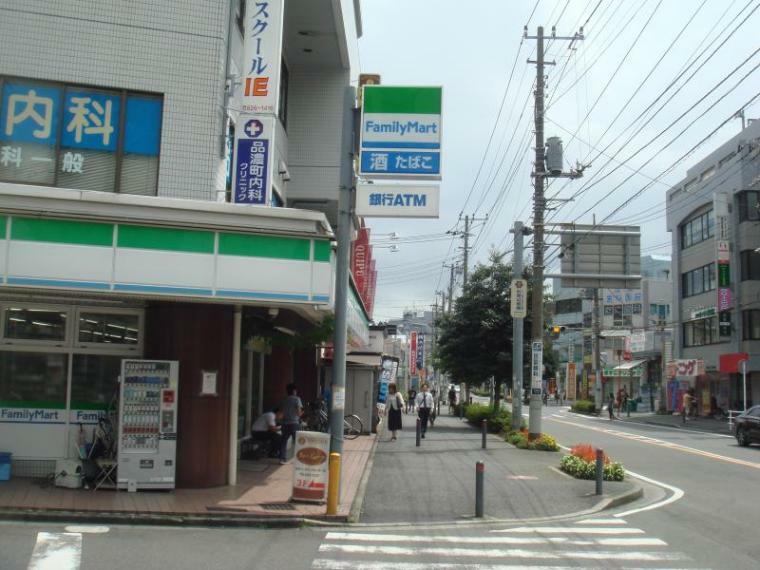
(698, 281)
(94, 381)
(33, 379)
(749, 206)
(697, 230)
(751, 324)
(750, 261)
(24, 323)
(700, 332)
(78, 137)
(108, 328)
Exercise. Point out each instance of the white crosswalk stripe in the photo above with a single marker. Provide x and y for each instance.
(590, 544)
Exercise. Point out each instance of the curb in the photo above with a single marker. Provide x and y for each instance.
(355, 512)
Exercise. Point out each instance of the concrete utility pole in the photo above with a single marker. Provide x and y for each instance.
(452, 267)
(341, 313)
(517, 334)
(466, 250)
(539, 206)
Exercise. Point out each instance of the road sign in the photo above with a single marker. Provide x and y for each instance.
(518, 299)
(397, 200)
(401, 132)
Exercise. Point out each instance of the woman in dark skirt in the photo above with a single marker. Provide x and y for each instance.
(393, 405)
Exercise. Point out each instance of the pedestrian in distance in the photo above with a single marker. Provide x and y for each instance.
(452, 398)
(410, 401)
(393, 406)
(292, 410)
(424, 403)
(611, 406)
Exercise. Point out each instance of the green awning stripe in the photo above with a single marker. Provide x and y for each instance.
(166, 239)
(33, 404)
(3, 228)
(321, 250)
(417, 100)
(62, 231)
(264, 246)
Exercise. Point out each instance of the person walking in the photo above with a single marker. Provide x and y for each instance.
(393, 406)
(424, 403)
(292, 410)
(411, 399)
(611, 406)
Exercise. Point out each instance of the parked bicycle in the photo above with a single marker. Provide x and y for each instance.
(317, 419)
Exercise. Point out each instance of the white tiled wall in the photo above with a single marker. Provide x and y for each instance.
(174, 48)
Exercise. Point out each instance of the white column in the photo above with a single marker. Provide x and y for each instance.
(234, 395)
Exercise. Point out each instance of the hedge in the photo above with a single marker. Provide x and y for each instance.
(584, 407)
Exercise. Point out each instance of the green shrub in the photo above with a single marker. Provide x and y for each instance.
(581, 469)
(584, 407)
(498, 422)
(545, 442)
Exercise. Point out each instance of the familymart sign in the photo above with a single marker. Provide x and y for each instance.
(401, 132)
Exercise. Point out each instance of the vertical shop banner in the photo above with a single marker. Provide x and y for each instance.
(387, 375)
(254, 157)
(413, 353)
(570, 382)
(370, 303)
(537, 367)
(421, 352)
(310, 466)
(367, 276)
(262, 55)
(360, 260)
(721, 202)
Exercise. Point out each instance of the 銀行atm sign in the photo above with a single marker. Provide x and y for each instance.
(401, 132)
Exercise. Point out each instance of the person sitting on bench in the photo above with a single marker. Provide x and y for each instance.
(265, 429)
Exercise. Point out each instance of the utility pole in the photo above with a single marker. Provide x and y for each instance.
(596, 350)
(517, 334)
(452, 267)
(468, 221)
(539, 205)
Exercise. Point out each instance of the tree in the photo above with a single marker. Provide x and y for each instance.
(475, 341)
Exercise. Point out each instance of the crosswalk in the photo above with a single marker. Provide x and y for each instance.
(588, 544)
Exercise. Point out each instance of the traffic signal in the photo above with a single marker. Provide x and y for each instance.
(556, 330)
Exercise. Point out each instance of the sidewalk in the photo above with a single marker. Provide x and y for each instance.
(262, 496)
(436, 482)
(709, 425)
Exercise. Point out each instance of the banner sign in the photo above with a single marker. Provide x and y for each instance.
(537, 367)
(518, 293)
(262, 56)
(13, 415)
(421, 352)
(400, 132)
(397, 200)
(413, 353)
(686, 367)
(310, 466)
(570, 381)
(254, 157)
(360, 259)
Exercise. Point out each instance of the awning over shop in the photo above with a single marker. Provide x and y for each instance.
(373, 360)
(627, 369)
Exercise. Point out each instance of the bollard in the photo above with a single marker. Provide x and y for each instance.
(480, 471)
(461, 410)
(333, 484)
(439, 408)
(484, 432)
(419, 431)
(599, 470)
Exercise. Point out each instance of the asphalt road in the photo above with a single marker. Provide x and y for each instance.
(701, 496)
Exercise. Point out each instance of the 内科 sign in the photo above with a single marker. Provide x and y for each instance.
(253, 163)
(400, 132)
(397, 200)
(519, 298)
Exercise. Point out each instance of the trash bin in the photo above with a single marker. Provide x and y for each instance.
(5, 466)
(632, 405)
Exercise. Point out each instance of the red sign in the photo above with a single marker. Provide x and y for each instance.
(413, 353)
(370, 300)
(360, 260)
(729, 363)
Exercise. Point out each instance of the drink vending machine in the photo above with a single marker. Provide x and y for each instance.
(148, 424)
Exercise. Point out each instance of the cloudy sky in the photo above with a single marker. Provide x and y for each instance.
(651, 79)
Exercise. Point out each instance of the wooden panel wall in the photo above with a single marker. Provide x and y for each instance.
(200, 337)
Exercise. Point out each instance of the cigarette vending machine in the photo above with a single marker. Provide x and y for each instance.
(147, 424)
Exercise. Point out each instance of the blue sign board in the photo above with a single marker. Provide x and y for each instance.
(400, 162)
(251, 170)
(30, 113)
(91, 120)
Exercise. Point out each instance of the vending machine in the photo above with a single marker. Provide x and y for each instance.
(147, 424)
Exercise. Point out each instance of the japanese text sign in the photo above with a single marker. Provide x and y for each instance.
(519, 298)
(397, 200)
(413, 353)
(253, 161)
(537, 367)
(262, 55)
(401, 132)
(421, 351)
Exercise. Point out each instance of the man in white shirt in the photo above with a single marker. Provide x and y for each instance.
(424, 404)
(265, 429)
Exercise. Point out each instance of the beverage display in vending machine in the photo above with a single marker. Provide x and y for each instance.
(147, 424)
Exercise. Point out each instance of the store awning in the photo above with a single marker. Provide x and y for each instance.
(364, 359)
(630, 365)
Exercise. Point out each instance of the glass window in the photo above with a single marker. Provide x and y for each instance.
(35, 324)
(750, 261)
(697, 229)
(699, 280)
(142, 142)
(33, 379)
(700, 332)
(108, 328)
(94, 381)
(748, 206)
(751, 324)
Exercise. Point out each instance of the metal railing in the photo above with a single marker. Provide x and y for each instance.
(732, 414)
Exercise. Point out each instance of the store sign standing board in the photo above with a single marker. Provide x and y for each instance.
(310, 466)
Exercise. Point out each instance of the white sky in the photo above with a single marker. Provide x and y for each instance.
(470, 49)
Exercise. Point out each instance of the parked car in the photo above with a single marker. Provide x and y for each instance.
(747, 427)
